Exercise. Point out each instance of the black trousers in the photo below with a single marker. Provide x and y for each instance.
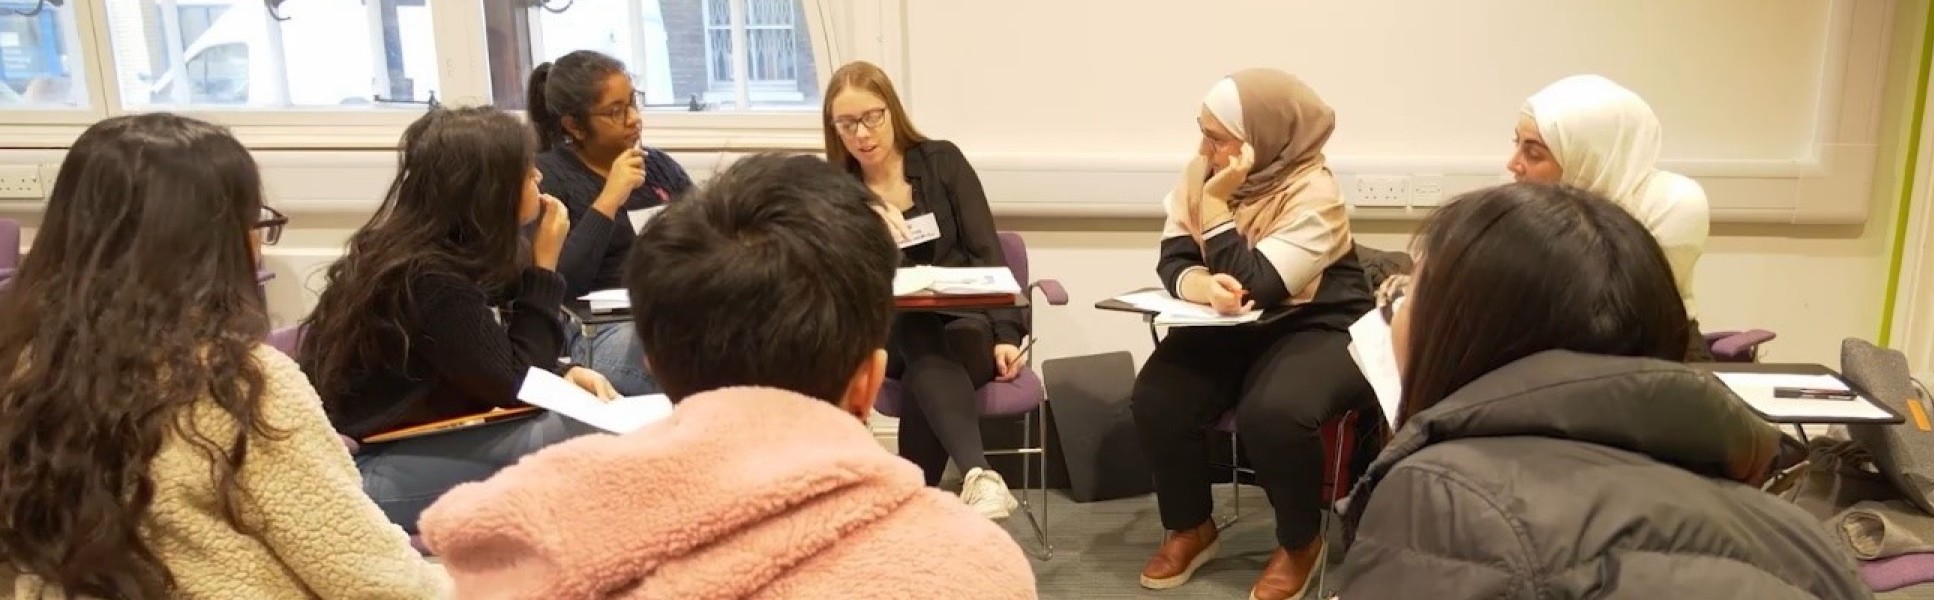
(1284, 381)
(940, 359)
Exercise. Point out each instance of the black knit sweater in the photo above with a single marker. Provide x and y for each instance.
(462, 358)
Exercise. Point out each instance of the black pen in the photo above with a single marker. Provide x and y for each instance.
(1812, 394)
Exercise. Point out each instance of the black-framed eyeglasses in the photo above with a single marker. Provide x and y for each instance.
(871, 119)
(271, 222)
(618, 113)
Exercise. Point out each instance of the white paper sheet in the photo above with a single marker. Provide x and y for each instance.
(923, 228)
(963, 281)
(604, 301)
(1756, 389)
(642, 216)
(1174, 320)
(548, 391)
(1175, 312)
(1370, 347)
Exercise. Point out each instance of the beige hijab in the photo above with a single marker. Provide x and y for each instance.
(1286, 123)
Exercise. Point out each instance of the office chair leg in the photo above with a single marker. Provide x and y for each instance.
(1040, 525)
(1235, 484)
(1339, 469)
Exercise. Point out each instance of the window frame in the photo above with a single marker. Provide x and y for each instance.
(758, 129)
(464, 80)
(47, 127)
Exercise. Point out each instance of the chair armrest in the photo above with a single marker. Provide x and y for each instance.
(1051, 290)
(7, 273)
(263, 276)
(1739, 343)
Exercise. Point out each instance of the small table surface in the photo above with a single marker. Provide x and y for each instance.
(935, 302)
(1802, 369)
(581, 313)
(1116, 305)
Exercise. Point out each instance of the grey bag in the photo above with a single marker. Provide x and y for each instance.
(1902, 452)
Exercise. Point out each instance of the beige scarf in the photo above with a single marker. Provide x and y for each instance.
(1286, 124)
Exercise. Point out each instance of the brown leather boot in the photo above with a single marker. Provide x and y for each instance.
(1182, 552)
(1289, 572)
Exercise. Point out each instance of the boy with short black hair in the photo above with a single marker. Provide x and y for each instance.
(763, 303)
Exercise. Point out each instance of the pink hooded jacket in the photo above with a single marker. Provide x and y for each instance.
(741, 493)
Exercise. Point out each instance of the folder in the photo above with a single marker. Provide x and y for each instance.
(448, 425)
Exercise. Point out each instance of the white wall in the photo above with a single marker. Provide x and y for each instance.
(1084, 107)
(1769, 103)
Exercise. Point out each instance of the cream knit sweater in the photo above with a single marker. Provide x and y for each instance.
(320, 536)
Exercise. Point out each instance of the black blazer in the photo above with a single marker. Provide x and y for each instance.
(945, 185)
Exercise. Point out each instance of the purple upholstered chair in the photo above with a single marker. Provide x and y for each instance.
(286, 339)
(9, 244)
(1024, 397)
(9, 250)
(1737, 346)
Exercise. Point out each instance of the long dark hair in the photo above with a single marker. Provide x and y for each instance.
(137, 301)
(564, 89)
(1514, 270)
(451, 208)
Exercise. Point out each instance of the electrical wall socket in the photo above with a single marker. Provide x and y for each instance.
(20, 182)
(1426, 190)
(1379, 190)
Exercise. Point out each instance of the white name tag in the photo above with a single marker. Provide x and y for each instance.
(642, 216)
(923, 229)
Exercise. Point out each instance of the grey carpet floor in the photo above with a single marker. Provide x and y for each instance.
(1099, 548)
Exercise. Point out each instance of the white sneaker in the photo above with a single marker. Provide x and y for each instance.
(988, 494)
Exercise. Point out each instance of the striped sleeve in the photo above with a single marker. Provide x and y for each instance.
(1283, 267)
(1180, 254)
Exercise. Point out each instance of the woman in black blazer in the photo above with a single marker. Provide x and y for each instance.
(940, 359)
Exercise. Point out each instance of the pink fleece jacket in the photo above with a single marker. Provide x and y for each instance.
(741, 493)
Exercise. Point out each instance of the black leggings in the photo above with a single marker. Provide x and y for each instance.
(940, 361)
(1284, 380)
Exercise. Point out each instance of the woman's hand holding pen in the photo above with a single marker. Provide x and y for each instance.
(1008, 360)
(1226, 295)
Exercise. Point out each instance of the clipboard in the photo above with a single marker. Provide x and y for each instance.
(456, 424)
(1269, 315)
(1884, 414)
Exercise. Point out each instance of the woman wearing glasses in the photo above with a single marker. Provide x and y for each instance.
(586, 115)
(940, 359)
(1257, 222)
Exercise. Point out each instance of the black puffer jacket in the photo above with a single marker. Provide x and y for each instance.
(1567, 475)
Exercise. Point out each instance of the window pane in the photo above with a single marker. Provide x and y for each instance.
(677, 51)
(40, 60)
(299, 54)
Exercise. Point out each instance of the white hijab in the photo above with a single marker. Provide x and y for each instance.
(1605, 136)
(1607, 140)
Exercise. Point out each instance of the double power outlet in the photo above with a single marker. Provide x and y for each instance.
(21, 182)
(1397, 191)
